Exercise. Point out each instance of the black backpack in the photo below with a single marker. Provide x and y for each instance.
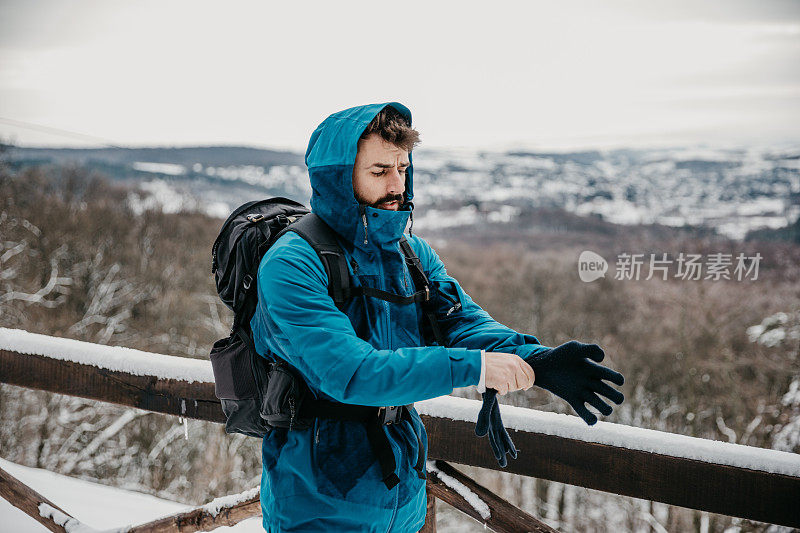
(241, 375)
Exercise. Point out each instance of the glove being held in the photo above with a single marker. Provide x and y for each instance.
(489, 421)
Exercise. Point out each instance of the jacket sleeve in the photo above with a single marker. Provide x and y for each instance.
(298, 321)
(463, 323)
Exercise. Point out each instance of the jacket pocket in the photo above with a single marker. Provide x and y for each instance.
(448, 298)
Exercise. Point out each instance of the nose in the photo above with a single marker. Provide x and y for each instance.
(397, 181)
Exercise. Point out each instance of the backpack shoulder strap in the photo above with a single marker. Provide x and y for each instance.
(414, 265)
(323, 240)
(421, 283)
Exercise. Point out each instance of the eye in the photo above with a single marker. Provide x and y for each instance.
(378, 174)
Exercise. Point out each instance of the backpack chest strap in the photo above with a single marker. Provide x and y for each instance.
(420, 296)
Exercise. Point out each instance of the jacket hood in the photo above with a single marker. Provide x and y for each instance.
(330, 158)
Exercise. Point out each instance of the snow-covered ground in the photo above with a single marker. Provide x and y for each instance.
(97, 506)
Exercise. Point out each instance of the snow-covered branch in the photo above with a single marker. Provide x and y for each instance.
(111, 300)
(224, 511)
(106, 434)
(44, 296)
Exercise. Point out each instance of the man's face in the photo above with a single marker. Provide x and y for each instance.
(379, 174)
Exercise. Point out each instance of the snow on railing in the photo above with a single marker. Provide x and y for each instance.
(128, 360)
(619, 435)
(142, 363)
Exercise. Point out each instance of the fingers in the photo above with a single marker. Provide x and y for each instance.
(489, 399)
(495, 446)
(519, 381)
(508, 448)
(523, 375)
(499, 439)
(594, 352)
(606, 390)
(584, 413)
(579, 349)
(603, 372)
(531, 375)
(595, 401)
(510, 445)
(503, 437)
(496, 449)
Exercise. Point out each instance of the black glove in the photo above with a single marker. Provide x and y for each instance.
(571, 372)
(489, 421)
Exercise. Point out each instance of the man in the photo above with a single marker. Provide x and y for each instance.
(371, 352)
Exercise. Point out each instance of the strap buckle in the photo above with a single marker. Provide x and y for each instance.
(390, 414)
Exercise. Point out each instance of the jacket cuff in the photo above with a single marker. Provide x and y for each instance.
(482, 381)
(465, 366)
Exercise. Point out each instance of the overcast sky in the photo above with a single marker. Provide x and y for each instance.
(484, 74)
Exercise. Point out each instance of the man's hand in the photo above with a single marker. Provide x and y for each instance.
(507, 372)
(571, 372)
(504, 372)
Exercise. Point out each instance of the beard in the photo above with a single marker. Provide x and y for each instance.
(386, 199)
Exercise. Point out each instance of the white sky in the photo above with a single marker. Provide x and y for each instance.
(478, 74)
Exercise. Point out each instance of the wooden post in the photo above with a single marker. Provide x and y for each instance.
(503, 516)
(430, 515)
(29, 501)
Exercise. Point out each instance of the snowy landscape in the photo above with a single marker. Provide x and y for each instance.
(732, 190)
(112, 247)
(622, 174)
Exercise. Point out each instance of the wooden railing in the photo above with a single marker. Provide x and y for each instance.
(745, 482)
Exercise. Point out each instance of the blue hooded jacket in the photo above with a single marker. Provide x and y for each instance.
(372, 352)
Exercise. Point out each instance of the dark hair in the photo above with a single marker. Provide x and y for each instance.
(393, 128)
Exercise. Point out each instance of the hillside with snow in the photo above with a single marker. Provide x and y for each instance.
(126, 267)
(730, 190)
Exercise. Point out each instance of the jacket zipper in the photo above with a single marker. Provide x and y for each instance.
(394, 510)
(384, 287)
(364, 220)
